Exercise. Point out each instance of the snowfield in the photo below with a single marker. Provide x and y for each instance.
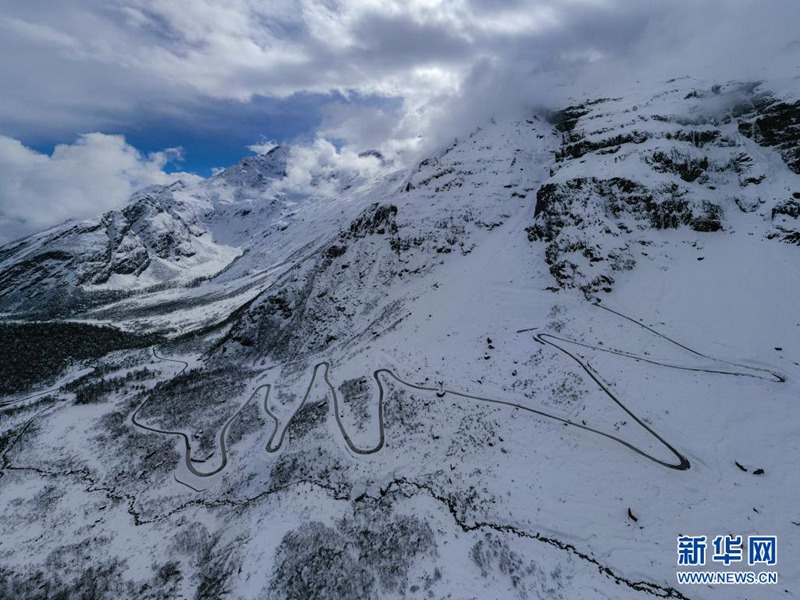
(520, 369)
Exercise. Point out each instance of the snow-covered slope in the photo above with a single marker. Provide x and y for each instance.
(160, 237)
(167, 237)
(678, 159)
(519, 369)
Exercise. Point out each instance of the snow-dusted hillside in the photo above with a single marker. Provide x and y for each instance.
(520, 369)
(168, 237)
(679, 159)
(160, 237)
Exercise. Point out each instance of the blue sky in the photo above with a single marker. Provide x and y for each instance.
(97, 94)
(217, 133)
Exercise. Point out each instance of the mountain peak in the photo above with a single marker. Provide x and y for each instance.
(255, 171)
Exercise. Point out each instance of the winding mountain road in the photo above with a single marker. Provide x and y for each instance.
(5, 403)
(681, 465)
(187, 456)
(278, 435)
(773, 375)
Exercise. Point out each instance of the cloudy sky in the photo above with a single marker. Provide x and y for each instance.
(100, 97)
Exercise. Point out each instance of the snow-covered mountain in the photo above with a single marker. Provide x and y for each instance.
(519, 369)
(166, 237)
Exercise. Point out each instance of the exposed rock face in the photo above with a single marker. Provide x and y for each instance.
(156, 239)
(786, 220)
(674, 161)
(254, 173)
(775, 125)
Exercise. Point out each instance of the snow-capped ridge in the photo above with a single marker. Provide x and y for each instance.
(257, 171)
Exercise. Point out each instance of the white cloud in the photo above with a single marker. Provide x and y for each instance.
(96, 173)
(445, 65)
(262, 147)
(111, 59)
(320, 168)
(35, 32)
(415, 50)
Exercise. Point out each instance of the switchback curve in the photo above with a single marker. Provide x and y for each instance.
(278, 435)
(187, 456)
